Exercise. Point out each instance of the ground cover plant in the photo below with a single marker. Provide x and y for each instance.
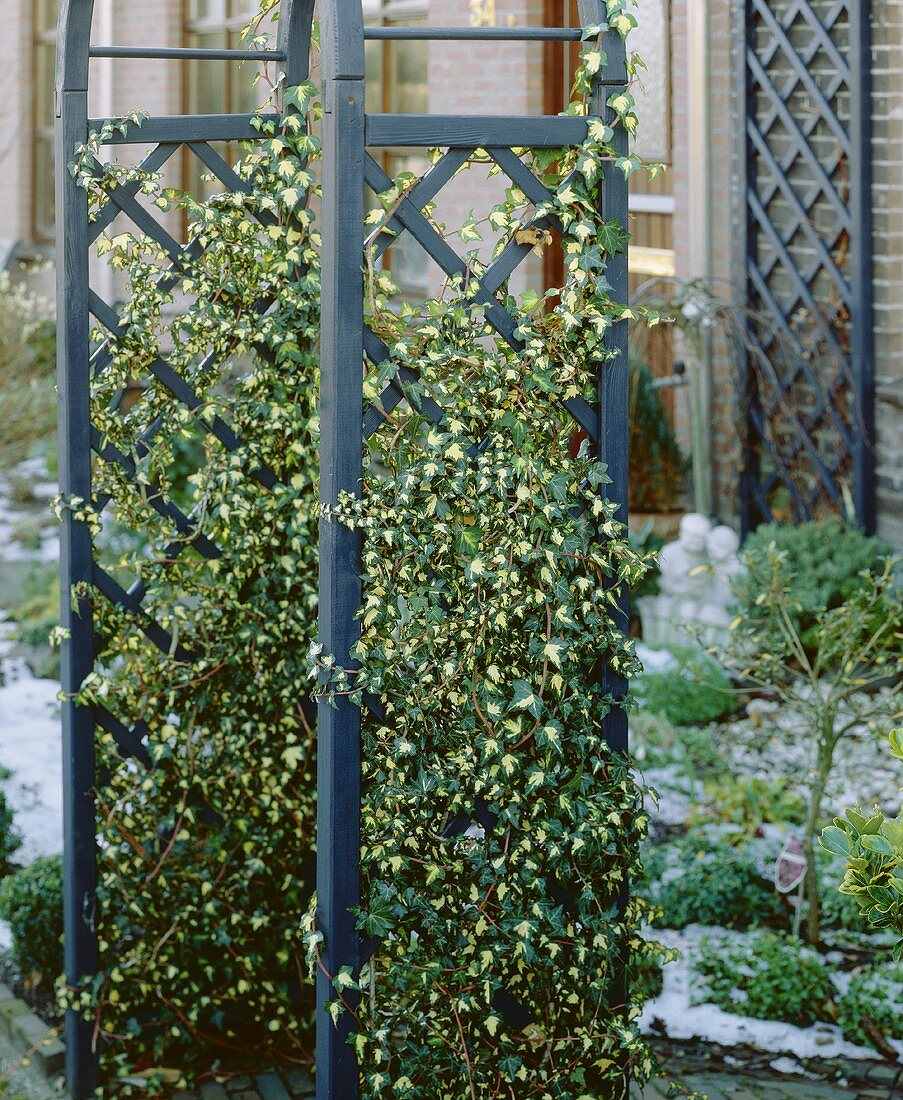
(768, 977)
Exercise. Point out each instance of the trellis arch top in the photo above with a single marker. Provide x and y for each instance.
(75, 52)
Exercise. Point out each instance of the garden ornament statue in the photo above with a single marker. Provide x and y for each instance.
(696, 584)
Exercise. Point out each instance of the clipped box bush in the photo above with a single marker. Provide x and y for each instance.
(31, 903)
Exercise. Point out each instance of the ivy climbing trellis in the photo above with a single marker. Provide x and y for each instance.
(349, 349)
(80, 361)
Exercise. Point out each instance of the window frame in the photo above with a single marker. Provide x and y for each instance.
(43, 41)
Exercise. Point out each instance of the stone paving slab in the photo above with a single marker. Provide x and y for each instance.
(728, 1086)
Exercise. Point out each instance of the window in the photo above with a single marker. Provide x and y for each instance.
(651, 202)
(219, 87)
(43, 214)
(397, 84)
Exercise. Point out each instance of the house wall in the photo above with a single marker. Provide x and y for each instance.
(887, 221)
(474, 78)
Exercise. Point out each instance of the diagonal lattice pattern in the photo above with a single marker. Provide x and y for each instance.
(123, 201)
(804, 248)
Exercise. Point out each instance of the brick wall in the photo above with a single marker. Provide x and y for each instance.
(16, 104)
(483, 78)
(887, 198)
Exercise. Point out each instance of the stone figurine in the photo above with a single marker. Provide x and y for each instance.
(698, 572)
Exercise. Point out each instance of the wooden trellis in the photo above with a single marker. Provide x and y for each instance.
(808, 399)
(347, 347)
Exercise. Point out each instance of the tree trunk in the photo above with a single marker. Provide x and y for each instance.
(813, 815)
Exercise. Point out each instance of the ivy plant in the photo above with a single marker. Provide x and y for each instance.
(205, 849)
(499, 830)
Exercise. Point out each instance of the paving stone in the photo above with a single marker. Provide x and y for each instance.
(299, 1082)
(240, 1083)
(214, 1091)
(50, 1057)
(271, 1088)
(9, 1010)
(245, 1094)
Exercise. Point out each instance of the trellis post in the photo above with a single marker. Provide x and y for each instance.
(807, 399)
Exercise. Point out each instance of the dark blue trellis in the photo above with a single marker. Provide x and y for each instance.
(808, 398)
(346, 343)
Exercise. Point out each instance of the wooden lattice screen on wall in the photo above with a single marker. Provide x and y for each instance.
(807, 398)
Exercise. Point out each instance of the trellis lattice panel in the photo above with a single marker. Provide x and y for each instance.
(137, 424)
(807, 393)
(352, 359)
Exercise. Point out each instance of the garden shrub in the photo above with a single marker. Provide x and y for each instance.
(820, 568)
(658, 467)
(27, 372)
(872, 846)
(205, 858)
(873, 1004)
(765, 975)
(10, 837)
(31, 903)
(699, 880)
(695, 692)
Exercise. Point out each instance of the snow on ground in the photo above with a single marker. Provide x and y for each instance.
(674, 1012)
(30, 750)
(18, 523)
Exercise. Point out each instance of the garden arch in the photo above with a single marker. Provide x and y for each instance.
(346, 347)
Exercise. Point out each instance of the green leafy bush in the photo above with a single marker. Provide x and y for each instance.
(872, 846)
(751, 801)
(696, 880)
(658, 466)
(31, 902)
(766, 975)
(873, 1004)
(695, 692)
(820, 567)
(27, 372)
(10, 837)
